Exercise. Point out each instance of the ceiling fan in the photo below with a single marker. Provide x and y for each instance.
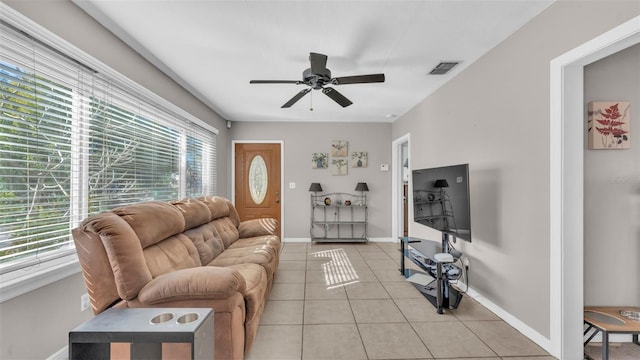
(317, 76)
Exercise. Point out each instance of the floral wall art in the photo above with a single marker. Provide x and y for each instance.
(339, 166)
(339, 148)
(319, 160)
(359, 159)
(608, 125)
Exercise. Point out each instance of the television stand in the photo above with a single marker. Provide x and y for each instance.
(438, 290)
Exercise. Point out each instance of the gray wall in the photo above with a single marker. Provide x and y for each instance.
(35, 325)
(612, 190)
(495, 115)
(303, 139)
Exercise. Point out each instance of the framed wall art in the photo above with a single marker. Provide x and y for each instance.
(319, 160)
(608, 125)
(339, 148)
(359, 159)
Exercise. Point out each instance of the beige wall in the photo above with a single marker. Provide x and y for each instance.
(303, 139)
(612, 190)
(495, 116)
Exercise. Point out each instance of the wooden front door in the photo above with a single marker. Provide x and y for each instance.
(257, 181)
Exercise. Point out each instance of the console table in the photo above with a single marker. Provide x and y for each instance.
(438, 291)
(146, 329)
(339, 217)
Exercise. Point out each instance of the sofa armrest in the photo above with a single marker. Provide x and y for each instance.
(258, 227)
(206, 282)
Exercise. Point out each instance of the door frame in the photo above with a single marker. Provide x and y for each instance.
(233, 174)
(566, 193)
(396, 182)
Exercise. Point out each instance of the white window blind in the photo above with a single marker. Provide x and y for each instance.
(74, 142)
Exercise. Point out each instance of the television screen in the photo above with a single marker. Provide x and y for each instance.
(441, 199)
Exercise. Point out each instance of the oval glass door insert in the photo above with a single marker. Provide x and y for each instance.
(258, 179)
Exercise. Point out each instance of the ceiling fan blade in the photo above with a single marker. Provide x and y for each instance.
(295, 99)
(275, 82)
(336, 96)
(318, 63)
(358, 79)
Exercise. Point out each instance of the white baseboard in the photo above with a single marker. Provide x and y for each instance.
(525, 329)
(62, 354)
(296, 240)
(377, 239)
(532, 334)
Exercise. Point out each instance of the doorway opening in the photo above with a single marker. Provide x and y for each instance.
(566, 184)
(400, 186)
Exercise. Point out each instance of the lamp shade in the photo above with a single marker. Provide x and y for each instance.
(315, 187)
(441, 183)
(362, 186)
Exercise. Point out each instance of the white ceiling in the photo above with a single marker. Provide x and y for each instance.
(213, 48)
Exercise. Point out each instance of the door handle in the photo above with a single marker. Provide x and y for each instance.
(277, 197)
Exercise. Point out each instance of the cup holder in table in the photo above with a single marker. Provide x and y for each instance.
(188, 318)
(162, 318)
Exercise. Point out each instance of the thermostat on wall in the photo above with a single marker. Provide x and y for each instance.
(384, 167)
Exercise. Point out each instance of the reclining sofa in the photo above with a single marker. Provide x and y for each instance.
(189, 253)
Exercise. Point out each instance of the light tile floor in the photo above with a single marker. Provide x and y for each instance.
(349, 301)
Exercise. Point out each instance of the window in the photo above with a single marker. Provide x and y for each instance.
(74, 142)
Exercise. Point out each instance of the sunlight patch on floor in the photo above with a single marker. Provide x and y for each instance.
(338, 271)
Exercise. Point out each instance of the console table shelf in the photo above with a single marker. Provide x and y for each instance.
(333, 220)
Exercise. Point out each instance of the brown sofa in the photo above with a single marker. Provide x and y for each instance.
(188, 253)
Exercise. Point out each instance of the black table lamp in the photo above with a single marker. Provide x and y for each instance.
(441, 183)
(315, 187)
(362, 187)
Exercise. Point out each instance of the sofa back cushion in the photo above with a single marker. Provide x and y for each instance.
(152, 221)
(194, 212)
(207, 240)
(174, 253)
(227, 231)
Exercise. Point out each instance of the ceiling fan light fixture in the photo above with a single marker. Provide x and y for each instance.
(443, 67)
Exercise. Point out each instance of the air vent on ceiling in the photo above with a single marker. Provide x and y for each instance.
(443, 68)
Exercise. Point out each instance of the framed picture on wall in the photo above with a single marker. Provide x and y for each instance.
(319, 160)
(359, 159)
(339, 148)
(339, 166)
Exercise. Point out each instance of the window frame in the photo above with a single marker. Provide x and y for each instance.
(58, 264)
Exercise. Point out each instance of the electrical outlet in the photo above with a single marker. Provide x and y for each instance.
(84, 302)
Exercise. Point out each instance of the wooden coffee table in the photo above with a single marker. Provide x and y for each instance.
(610, 320)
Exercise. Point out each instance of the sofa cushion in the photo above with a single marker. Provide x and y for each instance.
(207, 241)
(204, 282)
(152, 221)
(174, 253)
(218, 206)
(195, 212)
(227, 231)
(258, 227)
(260, 255)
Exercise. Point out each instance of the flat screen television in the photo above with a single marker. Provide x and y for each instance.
(441, 199)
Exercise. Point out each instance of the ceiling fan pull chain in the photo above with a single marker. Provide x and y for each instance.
(311, 102)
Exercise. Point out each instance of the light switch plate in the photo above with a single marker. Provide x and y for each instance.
(384, 167)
